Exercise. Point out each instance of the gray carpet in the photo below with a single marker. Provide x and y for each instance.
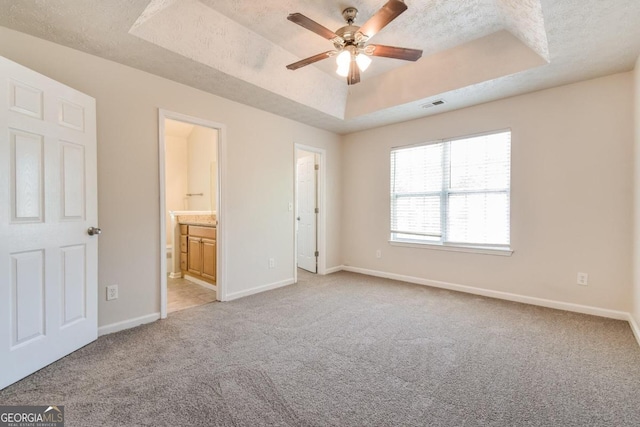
(351, 350)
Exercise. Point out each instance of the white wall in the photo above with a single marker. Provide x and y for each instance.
(572, 192)
(636, 252)
(176, 178)
(202, 147)
(260, 153)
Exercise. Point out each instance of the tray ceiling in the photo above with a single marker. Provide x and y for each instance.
(474, 50)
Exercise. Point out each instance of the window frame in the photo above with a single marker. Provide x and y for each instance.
(443, 194)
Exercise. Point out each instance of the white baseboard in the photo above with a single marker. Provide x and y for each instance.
(334, 269)
(258, 289)
(585, 309)
(175, 275)
(634, 327)
(127, 324)
(200, 282)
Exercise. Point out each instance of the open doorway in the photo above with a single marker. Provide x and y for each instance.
(307, 210)
(309, 164)
(191, 220)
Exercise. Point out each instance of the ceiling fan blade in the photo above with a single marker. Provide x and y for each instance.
(394, 52)
(312, 25)
(390, 11)
(311, 59)
(354, 74)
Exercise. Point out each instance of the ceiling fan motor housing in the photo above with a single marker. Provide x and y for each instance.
(349, 15)
(349, 33)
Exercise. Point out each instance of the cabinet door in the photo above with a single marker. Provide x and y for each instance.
(209, 259)
(195, 255)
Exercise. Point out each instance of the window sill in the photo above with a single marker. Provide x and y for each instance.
(454, 248)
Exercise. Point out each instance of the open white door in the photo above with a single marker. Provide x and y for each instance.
(48, 200)
(307, 215)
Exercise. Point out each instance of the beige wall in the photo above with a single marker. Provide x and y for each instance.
(202, 169)
(260, 186)
(636, 252)
(572, 186)
(176, 178)
(572, 175)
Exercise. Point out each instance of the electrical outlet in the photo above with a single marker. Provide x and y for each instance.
(272, 263)
(112, 292)
(378, 253)
(583, 279)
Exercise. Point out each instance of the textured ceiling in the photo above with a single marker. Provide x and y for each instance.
(579, 39)
(432, 26)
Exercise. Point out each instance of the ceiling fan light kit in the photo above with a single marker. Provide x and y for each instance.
(344, 62)
(350, 41)
(363, 61)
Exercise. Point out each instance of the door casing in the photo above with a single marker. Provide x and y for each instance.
(306, 205)
(221, 270)
(322, 207)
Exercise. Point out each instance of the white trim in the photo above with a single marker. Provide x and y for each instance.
(127, 324)
(634, 327)
(163, 223)
(334, 269)
(567, 306)
(175, 275)
(455, 138)
(221, 209)
(259, 289)
(453, 248)
(200, 282)
(322, 205)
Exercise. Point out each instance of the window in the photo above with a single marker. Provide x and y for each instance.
(453, 192)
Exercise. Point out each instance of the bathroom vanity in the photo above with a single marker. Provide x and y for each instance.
(198, 251)
(194, 251)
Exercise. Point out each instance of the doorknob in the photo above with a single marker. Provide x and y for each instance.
(93, 231)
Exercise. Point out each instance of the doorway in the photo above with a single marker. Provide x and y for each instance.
(191, 166)
(307, 210)
(310, 211)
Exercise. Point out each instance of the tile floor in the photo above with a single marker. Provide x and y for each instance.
(182, 294)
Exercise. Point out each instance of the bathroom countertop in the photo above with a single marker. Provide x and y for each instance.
(201, 224)
(200, 220)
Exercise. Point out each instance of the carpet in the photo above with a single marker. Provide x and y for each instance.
(351, 350)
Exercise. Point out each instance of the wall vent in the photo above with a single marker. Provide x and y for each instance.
(435, 103)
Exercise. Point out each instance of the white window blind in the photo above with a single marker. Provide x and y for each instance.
(453, 192)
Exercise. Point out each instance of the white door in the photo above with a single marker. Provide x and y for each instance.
(48, 200)
(306, 199)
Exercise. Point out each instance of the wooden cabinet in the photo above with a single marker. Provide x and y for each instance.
(184, 231)
(198, 252)
(209, 259)
(194, 255)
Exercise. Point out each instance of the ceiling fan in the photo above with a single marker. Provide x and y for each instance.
(350, 41)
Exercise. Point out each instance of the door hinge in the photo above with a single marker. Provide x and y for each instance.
(317, 210)
(316, 167)
(317, 254)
